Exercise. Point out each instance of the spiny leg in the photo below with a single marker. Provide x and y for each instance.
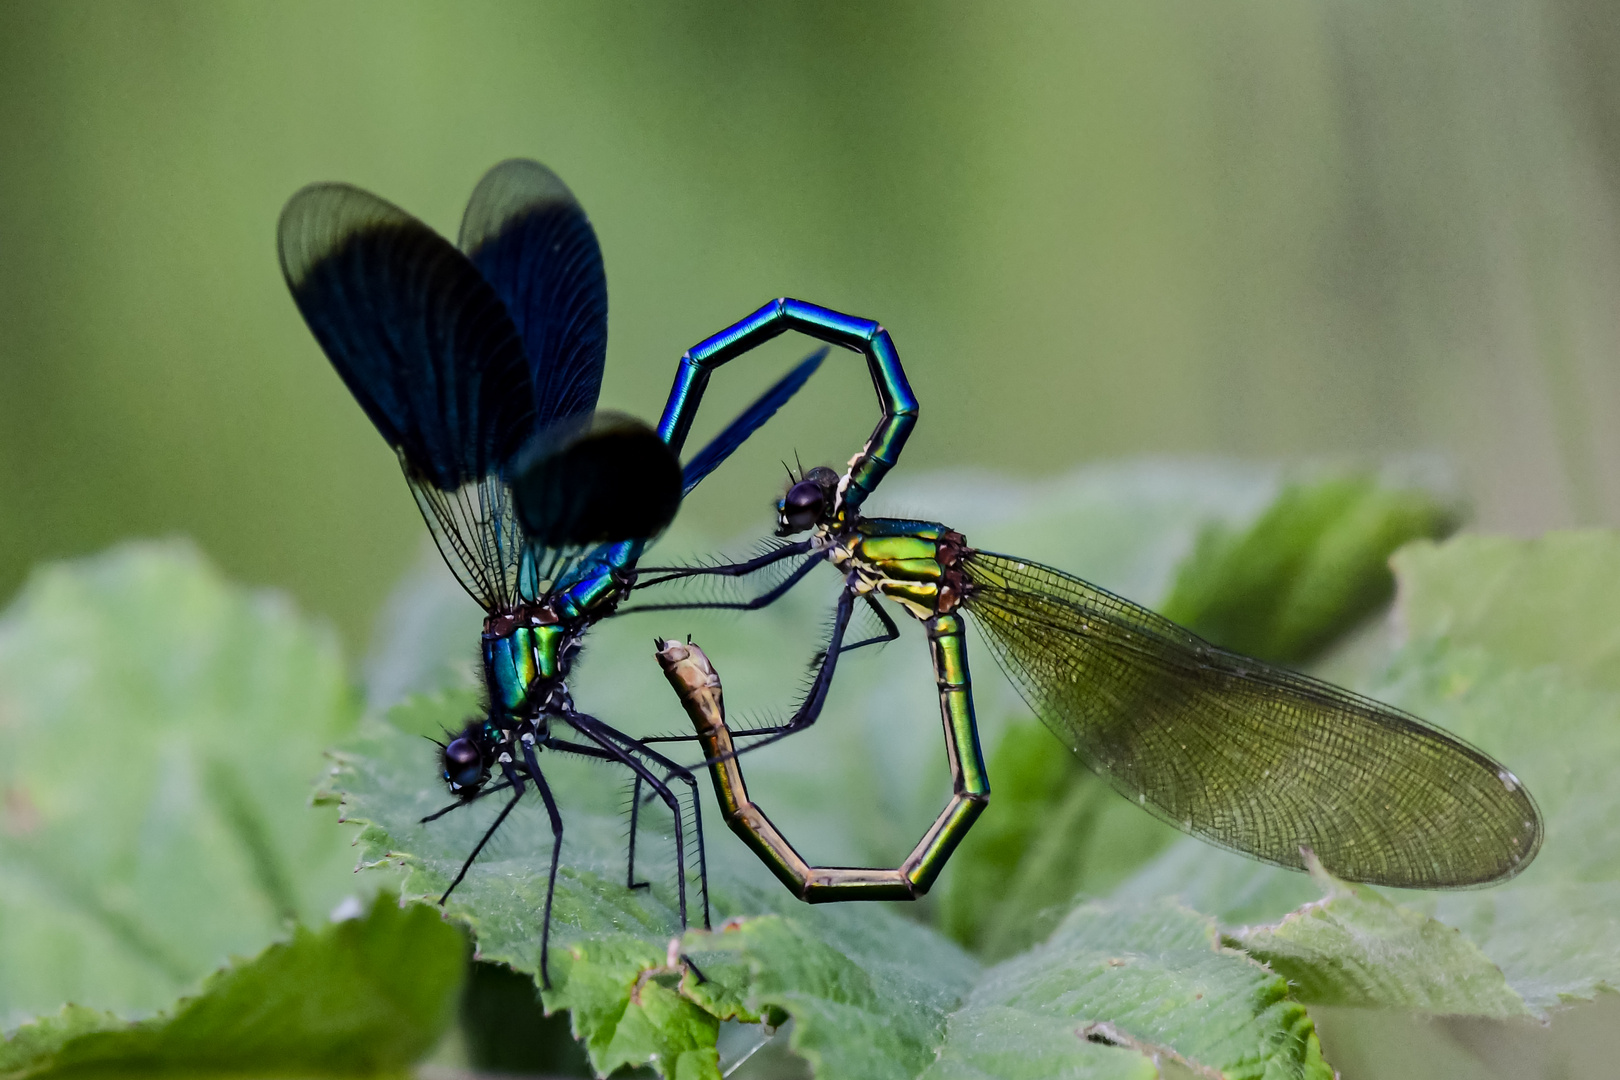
(741, 569)
(891, 632)
(677, 771)
(556, 851)
(762, 600)
(810, 711)
(597, 752)
(516, 783)
(597, 732)
(630, 859)
(582, 749)
(459, 803)
(635, 820)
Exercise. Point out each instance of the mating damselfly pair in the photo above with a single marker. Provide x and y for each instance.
(481, 362)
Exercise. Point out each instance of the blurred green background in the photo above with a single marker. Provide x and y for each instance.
(1264, 229)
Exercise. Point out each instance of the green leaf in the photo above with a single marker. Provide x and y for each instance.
(356, 998)
(997, 1042)
(1358, 949)
(1552, 600)
(835, 972)
(856, 791)
(624, 999)
(1552, 928)
(868, 992)
(1310, 568)
(159, 731)
(1115, 989)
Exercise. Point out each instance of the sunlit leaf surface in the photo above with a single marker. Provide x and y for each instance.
(1358, 949)
(159, 734)
(1113, 986)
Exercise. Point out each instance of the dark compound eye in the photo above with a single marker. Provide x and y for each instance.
(805, 495)
(463, 764)
(802, 506)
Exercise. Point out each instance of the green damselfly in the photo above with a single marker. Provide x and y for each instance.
(1240, 753)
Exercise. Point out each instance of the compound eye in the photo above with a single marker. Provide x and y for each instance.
(463, 764)
(802, 506)
(806, 495)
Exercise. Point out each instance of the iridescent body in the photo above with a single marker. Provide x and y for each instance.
(1267, 762)
(867, 469)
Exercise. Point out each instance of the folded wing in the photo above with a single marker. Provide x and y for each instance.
(531, 241)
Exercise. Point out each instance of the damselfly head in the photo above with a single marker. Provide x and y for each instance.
(465, 760)
(807, 502)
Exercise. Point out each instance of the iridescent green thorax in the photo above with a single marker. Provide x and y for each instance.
(917, 564)
(530, 646)
(522, 648)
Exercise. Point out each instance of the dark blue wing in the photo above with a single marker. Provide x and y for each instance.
(705, 461)
(431, 355)
(423, 342)
(607, 479)
(531, 241)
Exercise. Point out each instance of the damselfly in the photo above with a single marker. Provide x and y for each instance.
(480, 364)
(1237, 752)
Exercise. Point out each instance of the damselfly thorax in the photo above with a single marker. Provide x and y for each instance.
(917, 564)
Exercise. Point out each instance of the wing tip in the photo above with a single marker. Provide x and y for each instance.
(516, 186)
(321, 218)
